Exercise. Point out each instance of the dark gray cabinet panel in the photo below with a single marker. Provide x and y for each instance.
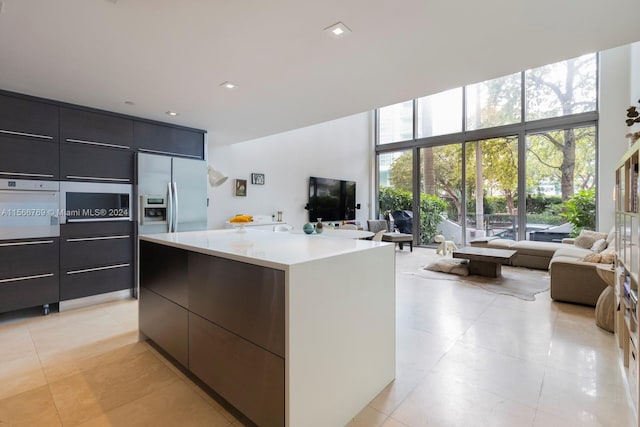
(82, 229)
(243, 298)
(166, 323)
(28, 158)
(90, 127)
(80, 162)
(38, 119)
(248, 377)
(163, 269)
(80, 252)
(26, 257)
(83, 282)
(29, 291)
(28, 273)
(168, 140)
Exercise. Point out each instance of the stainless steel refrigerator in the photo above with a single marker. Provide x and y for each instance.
(172, 194)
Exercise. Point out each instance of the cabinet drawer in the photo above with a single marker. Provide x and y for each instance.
(93, 128)
(164, 270)
(28, 257)
(28, 158)
(168, 140)
(247, 376)
(28, 118)
(89, 229)
(243, 298)
(78, 252)
(84, 282)
(81, 162)
(28, 290)
(632, 373)
(166, 323)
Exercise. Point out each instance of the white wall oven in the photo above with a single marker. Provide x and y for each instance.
(28, 209)
(89, 202)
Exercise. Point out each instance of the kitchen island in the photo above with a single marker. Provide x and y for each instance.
(289, 329)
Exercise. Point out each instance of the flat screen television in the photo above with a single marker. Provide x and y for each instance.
(331, 199)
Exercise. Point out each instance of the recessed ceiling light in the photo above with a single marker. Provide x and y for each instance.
(171, 113)
(338, 30)
(229, 85)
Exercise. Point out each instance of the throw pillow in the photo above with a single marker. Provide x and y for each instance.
(587, 238)
(594, 257)
(608, 256)
(599, 245)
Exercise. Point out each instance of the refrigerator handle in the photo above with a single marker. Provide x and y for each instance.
(175, 206)
(170, 208)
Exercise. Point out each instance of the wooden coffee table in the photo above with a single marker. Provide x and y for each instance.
(485, 261)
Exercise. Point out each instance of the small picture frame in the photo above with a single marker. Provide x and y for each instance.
(241, 187)
(257, 178)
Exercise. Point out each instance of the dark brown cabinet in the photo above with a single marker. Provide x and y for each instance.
(244, 374)
(28, 118)
(28, 139)
(96, 258)
(79, 162)
(29, 274)
(235, 328)
(245, 299)
(95, 128)
(160, 139)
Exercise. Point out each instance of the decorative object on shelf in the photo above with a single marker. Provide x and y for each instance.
(279, 216)
(319, 227)
(257, 178)
(633, 116)
(216, 177)
(241, 187)
(308, 228)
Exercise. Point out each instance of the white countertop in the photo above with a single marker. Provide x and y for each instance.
(261, 247)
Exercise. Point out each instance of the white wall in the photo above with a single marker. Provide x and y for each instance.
(614, 100)
(340, 149)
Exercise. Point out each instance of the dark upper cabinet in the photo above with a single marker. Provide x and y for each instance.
(28, 158)
(162, 139)
(81, 162)
(29, 119)
(93, 128)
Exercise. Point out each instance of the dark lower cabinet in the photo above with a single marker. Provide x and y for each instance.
(235, 328)
(28, 273)
(246, 299)
(96, 258)
(84, 282)
(247, 376)
(166, 323)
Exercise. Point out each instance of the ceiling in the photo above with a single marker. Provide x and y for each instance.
(173, 55)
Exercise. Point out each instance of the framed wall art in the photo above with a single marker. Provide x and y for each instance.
(241, 187)
(257, 178)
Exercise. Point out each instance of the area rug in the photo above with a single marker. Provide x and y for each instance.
(517, 282)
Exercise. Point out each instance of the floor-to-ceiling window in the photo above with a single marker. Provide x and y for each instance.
(465, 156)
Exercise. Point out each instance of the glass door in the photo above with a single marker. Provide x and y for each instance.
(492, 188)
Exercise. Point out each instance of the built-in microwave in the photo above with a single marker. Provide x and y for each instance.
(89, 201)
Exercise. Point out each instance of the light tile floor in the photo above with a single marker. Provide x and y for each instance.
(465, 357)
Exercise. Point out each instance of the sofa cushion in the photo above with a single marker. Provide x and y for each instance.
(592, 257)
(611, 236)
(500, 244)
(599, 245)
(531, 247)
(608, 256)
(569, 251)
(587, 238)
